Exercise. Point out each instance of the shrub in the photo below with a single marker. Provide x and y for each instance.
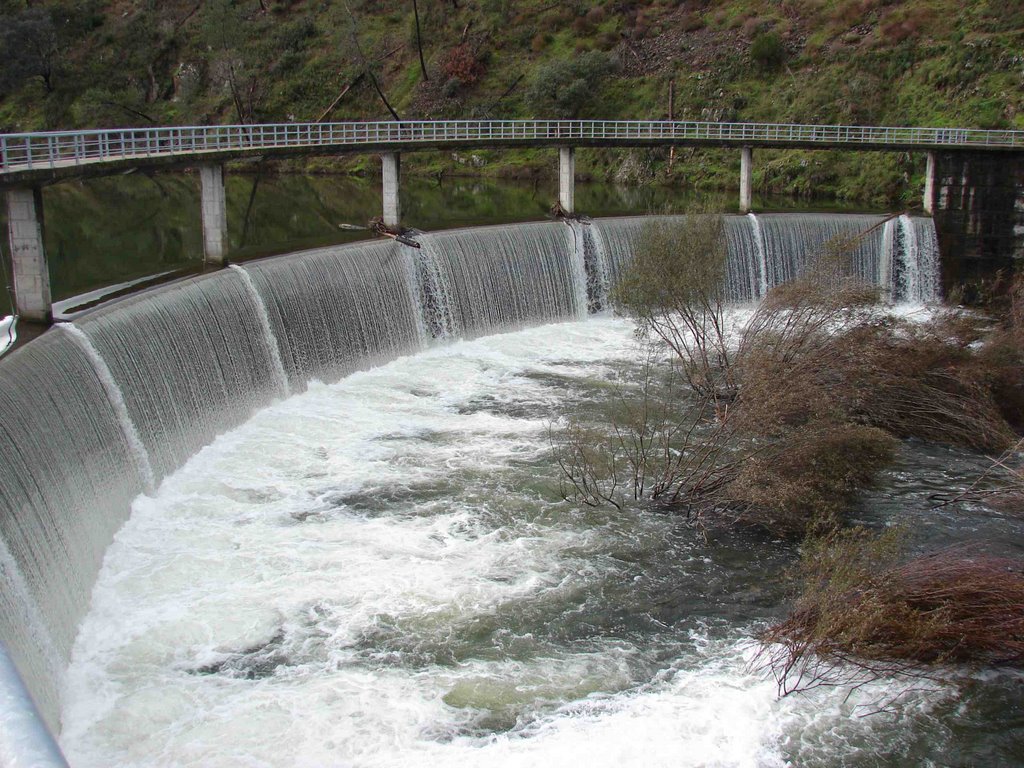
(461, 64)
(768, 52)
(843, 365)
(804, 484)
(862, 614)
(673, 288)
(781, 432)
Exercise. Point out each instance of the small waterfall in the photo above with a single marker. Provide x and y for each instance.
(910, 259)
(619, 236)
(928, 259)
(773, 248)
(762, 261)
(191, 362)
(793, 243)
(116, 398)
(887, 258)
(67, 478)
(602, 269)
(268, 333)
(591, 265)
(910, 273)
(577, 250)
(433, 292)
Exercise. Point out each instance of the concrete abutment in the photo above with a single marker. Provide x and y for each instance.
(28, 256)
(567, 178)
(214, 213)
(978, 203)
(391, 167)
(746, 179)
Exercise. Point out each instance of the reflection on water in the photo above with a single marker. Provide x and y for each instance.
(105, 231)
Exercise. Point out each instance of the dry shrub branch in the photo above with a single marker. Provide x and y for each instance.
(781, 432)
(862, 614)
(844, 364)
(664, 445)
(1001, 486)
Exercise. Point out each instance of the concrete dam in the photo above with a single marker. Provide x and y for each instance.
(94, 413)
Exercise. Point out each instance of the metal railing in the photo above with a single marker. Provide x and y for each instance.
(31, 151)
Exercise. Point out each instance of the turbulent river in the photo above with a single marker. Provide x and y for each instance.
(381, 572)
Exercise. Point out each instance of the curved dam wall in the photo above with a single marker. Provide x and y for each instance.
(95, 413)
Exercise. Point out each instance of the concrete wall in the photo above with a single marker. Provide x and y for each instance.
(979, 214)
(31, 273)
(215, 215)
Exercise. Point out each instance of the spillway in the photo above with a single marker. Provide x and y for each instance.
(93, 416)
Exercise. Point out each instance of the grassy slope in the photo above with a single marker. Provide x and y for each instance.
(921, 62)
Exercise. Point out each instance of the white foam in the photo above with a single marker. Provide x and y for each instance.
(293, 539)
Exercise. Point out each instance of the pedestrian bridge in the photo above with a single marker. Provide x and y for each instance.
(29, 161)
(52, 155)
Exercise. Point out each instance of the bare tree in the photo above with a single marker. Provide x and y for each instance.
(367, 65)
(674, 289)
(419, 40)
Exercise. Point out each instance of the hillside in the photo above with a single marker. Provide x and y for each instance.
(77, 63)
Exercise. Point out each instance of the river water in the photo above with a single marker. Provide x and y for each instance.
(381, 572)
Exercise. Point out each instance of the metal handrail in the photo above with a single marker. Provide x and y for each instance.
(53, 149)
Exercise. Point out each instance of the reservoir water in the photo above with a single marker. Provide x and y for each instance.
(107, 231)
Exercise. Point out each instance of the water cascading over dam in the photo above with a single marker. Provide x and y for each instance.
(92, 416)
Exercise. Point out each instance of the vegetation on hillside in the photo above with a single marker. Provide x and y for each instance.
(75, 63)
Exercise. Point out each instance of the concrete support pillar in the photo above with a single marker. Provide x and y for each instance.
(929, 185)
(392, 172)
(215, 213)
(567, 178)
(31, 273)
(746, 179)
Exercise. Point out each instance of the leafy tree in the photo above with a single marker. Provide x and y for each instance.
(564, 89)
(29, 47)
(34, 41)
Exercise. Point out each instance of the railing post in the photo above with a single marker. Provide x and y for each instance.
(746, 179)
(214, 213)
(567, 178)
(391, 173)
(31, 274)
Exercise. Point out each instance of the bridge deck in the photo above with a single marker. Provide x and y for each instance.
(34, 157)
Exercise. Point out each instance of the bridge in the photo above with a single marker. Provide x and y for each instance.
(30, 161)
